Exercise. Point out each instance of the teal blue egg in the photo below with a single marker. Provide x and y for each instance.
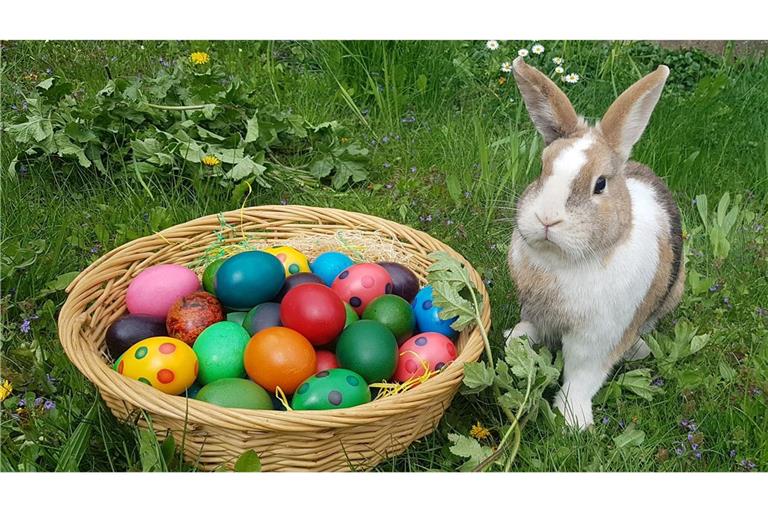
(247, 279)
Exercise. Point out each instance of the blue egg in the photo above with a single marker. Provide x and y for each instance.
(248, 279)
(329, 265)
(193, 389)
(427, 319)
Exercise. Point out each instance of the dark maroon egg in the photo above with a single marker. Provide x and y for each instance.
(295, 280)
(191, 314)
(404, 281)
(131, 329)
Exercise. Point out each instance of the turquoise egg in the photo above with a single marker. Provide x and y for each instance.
(426, 313)
(336, 388)
(329, 265)
(248, 279)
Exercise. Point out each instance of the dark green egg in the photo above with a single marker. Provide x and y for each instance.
(368, 348)
(394, 312)
(210, 273)
(235, 393)
(336, 388)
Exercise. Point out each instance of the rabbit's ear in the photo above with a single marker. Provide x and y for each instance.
(549, 107)
(626, 119)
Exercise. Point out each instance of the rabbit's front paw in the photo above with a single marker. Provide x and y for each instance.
(577, 412)
(522, 329)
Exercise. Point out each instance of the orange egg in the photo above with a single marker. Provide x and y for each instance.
(279, 356)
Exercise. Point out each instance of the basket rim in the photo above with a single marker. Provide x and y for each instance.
(105, 379)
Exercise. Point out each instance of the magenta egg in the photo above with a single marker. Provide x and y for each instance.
(360, 284)
(155, 289)
(427, 349)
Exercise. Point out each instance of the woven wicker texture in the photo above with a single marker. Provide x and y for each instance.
(212, 436)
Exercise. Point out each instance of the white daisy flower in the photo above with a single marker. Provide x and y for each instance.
(506, 67)
(522, 52)
(492, 45)
(142, 47)
(558, 61)
(559, 70)
(537, 49)
(571, 78)
(239, 50)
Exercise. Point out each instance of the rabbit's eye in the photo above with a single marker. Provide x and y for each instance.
(600, 185)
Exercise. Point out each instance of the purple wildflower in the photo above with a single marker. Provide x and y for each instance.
(413, 169)
(39, 401)
(48, 71)
(385, 139)
(690, 437)
(25, 326)
(679, 449)
(387, 165)
(761, 311)
(22, 403)
(373, 142)
(755, 391)
(732, 453)
(715, 287)
(694, 446)
(49, 404)
(467, 194)
(51, 379)
(747, 464)
(408, 119)
(24, 105)
(606, 420)
(283, 201)
(697, 454)
(658, 382)
(684, 423)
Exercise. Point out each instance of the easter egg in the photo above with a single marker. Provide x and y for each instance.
(262, 316)
(360, 284)
(395, 313)
(295, 280)
(247, 279)
(279, 357)
(164, 363)
(325, 360)
(351, 315)
(219, 350)
(404, 281)
(329, 265)
(336, 388)
(426, 313)
(430, 349)
(236, 316)
(194, 389)
(315, 311)
(368, 348)
(155, 289)
(209, 275)
(130, 329)
(292, 260)
(236, 393)
(191, 314)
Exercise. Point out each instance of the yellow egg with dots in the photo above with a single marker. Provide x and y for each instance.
(293, 261)
(165, 363)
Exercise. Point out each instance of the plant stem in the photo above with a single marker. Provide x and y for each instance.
(178, 107)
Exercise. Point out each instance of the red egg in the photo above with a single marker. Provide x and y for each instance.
(192, 314)
(430, 349)
(360, 284)
(315, 311)
(326, 360)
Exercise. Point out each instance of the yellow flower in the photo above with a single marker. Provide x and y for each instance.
(479, 432)
(5, 390)
(502, 80)
(199, 58)
(210, 161)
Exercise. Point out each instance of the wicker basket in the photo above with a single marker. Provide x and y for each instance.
(212, 436)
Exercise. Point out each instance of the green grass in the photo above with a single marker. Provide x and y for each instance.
(452, 172)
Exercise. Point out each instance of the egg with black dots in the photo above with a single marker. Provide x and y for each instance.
(335, 388)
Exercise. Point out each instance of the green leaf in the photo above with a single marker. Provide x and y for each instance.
(348, 170)
(701, 207)
(421, 83)
(245, 168)
(722, 208)
(520, 357)
(638, 382)
(168, 448)
(726, 372)
(477, 377)
(72, 453)
(252, 130)
(322, 167)
(150, 452)
(512, 399)
(248, 462)
(46, 84)
(468, 448)
(34, 129)
(630, 437)
(59, 283)
(452, 305)
(699, 342)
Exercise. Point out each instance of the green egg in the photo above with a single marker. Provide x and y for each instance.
(236, 393)
(351, 314)
(236, 316)
(395, 313)
(209, 273)
(219, 350)
(336, 388)
(368, 348)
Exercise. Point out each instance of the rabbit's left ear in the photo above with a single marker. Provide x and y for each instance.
(626, 119)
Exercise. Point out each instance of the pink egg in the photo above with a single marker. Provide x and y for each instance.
(326, 360)
(430, 348)
(360, 284)
(156, 288)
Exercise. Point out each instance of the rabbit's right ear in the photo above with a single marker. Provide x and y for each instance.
(549, 107)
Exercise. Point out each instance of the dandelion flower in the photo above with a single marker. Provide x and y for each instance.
(5, 390)
(210, 161)
(559, 70)
(558, 61)
(479, 432)
(199, 58)
(492, 45)
(506, 67)
(522, 52)
(502, 80)
(537, 49)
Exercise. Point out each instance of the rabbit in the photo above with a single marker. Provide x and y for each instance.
(596, 254)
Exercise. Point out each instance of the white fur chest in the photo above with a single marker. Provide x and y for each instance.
(600, 298)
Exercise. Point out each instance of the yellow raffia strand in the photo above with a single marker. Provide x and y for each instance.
(387, 389)
(6, 388)
(283, 399)
(242, 209)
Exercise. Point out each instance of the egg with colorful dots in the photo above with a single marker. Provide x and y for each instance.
(425, 351)
(360, 284)
(329, 265)
(426, 313)
(247, 279)
(165, 363)
(336, 388)
(191, 315)
(292, 260)
(155, 289)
